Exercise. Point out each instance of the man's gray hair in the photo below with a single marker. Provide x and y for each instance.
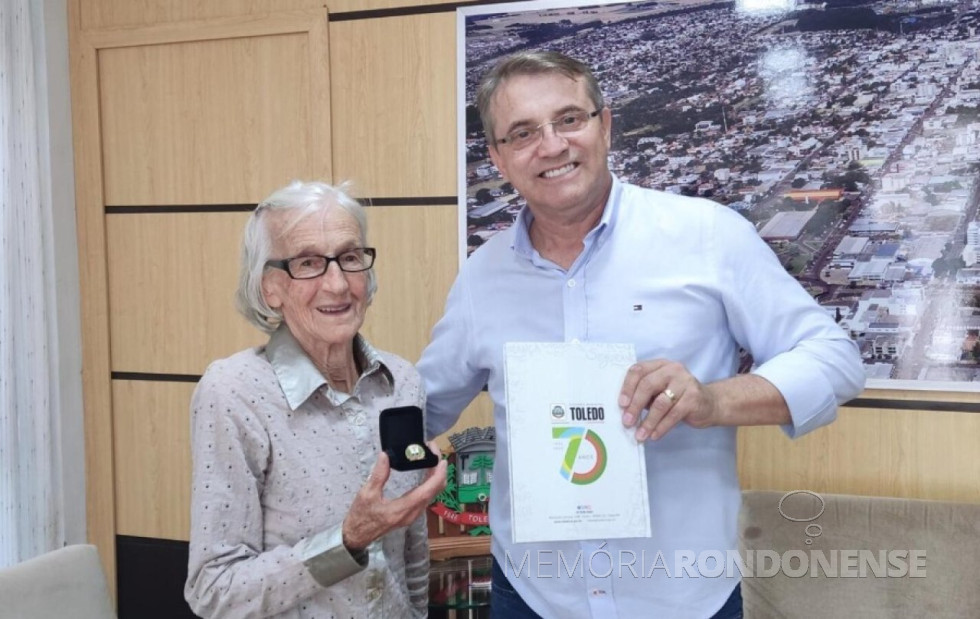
(305, 198)
(531, 63)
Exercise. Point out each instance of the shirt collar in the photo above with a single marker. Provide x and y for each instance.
(521, 240)
(299, 377)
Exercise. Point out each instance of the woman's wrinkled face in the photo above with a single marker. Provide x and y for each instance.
(327, 310)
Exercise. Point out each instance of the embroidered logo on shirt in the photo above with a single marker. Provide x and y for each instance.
(638, 308)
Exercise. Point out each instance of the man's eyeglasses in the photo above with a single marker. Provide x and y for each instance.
(566, 124)
(309, 267)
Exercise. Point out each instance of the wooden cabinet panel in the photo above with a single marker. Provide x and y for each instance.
(393, 83)
(416, 266)
(207, 122)
(151, 432)
(914, 454)
(172, 280)
(99, 14)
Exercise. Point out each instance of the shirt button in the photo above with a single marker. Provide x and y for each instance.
(359, 419)
(571, 283)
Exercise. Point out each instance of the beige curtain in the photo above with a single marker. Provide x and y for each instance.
(31, 514)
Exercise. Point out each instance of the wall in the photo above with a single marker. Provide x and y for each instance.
(186, 114)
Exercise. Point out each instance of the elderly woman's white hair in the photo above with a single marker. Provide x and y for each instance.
(306, 198)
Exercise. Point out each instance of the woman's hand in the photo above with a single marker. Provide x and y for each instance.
(372, 516)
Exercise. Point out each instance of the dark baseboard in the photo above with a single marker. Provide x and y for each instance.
(150, 578)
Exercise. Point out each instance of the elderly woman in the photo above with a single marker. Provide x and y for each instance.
(295, 511)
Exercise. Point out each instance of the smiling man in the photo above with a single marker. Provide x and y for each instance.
(688, 282)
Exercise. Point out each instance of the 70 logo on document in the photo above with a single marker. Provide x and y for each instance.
(585, 451)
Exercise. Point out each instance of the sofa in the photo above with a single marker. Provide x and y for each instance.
(830, 555)
(67, 582)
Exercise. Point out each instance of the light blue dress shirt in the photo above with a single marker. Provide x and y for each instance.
(680, 278)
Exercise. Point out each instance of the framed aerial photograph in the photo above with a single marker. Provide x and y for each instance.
(847, 131)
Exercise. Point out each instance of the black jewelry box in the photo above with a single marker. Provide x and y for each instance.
(403, 439)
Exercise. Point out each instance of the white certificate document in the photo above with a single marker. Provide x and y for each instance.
(576, 472)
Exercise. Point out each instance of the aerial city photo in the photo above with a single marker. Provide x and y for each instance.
(847, 131)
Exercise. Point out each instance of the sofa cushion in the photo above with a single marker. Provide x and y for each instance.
(867, 556)
(67, 582)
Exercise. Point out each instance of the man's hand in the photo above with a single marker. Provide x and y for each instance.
(670, 393)
(372, 516)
